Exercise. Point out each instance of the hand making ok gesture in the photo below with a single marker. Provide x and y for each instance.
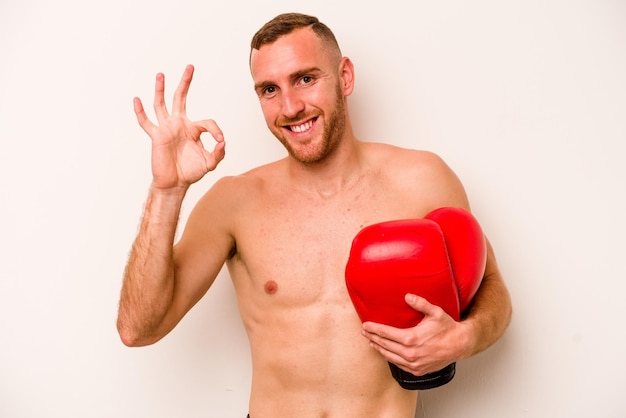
(178, 155)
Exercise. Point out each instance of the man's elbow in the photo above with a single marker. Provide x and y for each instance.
(132, 337)
(128, 338)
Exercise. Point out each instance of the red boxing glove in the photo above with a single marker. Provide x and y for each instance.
(467, 250)
(441, 258)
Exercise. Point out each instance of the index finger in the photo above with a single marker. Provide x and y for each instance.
(376, 332)
(180, 95)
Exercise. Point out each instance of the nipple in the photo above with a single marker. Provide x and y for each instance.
(271, 287)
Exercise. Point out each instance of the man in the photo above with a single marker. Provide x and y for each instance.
(284, 231)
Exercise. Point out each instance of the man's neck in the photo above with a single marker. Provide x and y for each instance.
(339, 171)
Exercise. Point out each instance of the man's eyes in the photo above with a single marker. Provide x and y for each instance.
(269, 90)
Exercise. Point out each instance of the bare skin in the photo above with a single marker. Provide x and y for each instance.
(284, 231)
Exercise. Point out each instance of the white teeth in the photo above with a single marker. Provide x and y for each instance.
(302, 128)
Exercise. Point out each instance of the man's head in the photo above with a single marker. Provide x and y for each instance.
(286, 23)
(302, 82)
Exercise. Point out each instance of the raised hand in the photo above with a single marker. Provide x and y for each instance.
(178, 155)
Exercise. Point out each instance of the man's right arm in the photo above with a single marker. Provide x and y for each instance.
(148, 287)
(159, 284)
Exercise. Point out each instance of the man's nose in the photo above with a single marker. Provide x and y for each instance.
(292, 103)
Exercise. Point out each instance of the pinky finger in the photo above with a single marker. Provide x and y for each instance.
(389, 355)
(140, 113)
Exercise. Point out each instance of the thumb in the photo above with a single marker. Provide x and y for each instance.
(420, 304)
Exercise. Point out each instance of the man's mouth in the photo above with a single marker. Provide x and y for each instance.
(302, 127)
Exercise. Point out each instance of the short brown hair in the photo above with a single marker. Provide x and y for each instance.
(286, 23)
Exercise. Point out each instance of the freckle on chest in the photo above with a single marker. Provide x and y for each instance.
(271, 287)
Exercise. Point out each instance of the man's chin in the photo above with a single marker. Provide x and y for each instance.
(306, 156)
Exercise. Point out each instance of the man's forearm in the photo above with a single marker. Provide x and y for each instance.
(489, 315)
(148, 286)
(490, 312)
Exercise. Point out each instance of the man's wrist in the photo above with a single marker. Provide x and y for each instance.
(163, 204)
(470, 338)
(176, 192)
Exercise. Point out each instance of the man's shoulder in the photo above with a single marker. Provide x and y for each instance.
(246, 184)
(396, 157)
(420, 175)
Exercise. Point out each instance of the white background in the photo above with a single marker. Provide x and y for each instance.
(526, 100)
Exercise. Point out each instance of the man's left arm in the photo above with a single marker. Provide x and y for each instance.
(490, 312)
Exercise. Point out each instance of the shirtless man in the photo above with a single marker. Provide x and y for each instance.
(284, 231)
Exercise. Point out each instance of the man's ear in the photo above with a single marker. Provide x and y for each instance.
(346, 76)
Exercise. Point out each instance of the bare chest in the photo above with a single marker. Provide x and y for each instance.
(294, 248)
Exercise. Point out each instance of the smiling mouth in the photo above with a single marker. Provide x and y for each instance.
(302, 127)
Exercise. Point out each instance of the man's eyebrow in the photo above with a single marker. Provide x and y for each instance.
(300, 73)
(262, 85)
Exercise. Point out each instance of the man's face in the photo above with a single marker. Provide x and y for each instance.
(297, 81)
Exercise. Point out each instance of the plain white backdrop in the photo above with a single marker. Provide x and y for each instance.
(526, 100)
